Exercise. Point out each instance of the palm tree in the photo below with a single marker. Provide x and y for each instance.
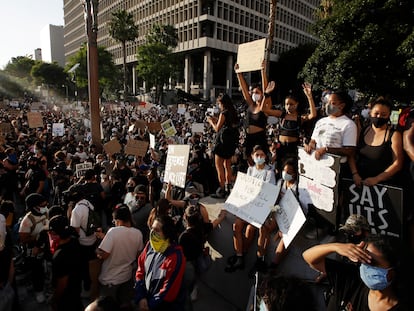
(122, 29)
(270, 33)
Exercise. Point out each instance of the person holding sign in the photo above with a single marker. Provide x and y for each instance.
(257, 119)
(241, 243)
(336, 133)
(380, 152)
(227, 137)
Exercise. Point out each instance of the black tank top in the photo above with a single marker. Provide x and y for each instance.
(289, 128)
(257, 119)
(373, 160)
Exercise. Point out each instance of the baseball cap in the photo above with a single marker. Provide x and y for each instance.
(59, 224)
(355, 223)
(35, 199)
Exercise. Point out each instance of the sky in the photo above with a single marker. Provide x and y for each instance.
(21, 22)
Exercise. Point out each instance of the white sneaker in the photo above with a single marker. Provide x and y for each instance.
(40, 297)
(194, 294)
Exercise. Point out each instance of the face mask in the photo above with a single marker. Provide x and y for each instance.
(259, 161)
(130, 189)
(286, 176)
(36, 150)
(193, 201)
(256, 97)
(331, 109)
(103, 176)
(374, 278)
(158, 243)
(43, 210)
(378, 122)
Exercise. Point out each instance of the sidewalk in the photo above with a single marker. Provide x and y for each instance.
(221, 291)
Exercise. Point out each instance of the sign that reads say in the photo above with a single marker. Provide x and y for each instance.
(82, 168)
(251, 199)
(136, 147)
(381, 205)
(250, 55)
(289, 217)
(176, 165)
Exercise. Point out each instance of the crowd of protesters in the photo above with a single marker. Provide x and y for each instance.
(155, 231)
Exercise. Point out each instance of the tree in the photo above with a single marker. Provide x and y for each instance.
(156, 61)
(122, 28)
(20, 67)
(109, 75)
(364, 45)
(49, 73)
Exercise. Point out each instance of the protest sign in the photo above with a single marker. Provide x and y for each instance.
(112, 147)
(6, 128)
(176, 165)
(136, 147)
(382, 206)
(197, 127)
(58, 129)
(318, 183)
(141, 124)
(168, 128)
(154, 126)
(251, 199)
(152, 140)
(250, 55)
(289, 217)
(35, 119)
(82, 168)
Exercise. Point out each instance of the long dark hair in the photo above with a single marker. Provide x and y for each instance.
(228, 106)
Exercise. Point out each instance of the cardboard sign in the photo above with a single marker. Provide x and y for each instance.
(318, 183)
(251, 199)
(6, 128)
(168, 128)
(112, 147)
(140, 124)
(176, 165)
(289, 217)
(35, 119)
(154, 126)
(381, 205)
(250, 55)
(82, 168)
(58, 129)
(136, 147)
(197, 127)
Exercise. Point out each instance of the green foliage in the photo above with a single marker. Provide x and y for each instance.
(156, 60)
(47, 73)
(365, 45)
(122, 27)
(9, 88)
(20, 67)
(109, 75)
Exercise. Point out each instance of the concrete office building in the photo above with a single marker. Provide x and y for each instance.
(52, 44)
(209, 33)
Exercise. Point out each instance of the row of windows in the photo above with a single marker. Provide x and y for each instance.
(303, 7)
(241, 17)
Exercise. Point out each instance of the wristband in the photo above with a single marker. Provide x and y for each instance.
(266, 95)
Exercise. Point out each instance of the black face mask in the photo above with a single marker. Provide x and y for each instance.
(378, 122)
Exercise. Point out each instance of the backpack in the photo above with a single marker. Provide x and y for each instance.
(94, 221)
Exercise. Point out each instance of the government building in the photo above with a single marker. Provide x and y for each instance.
(209, 33)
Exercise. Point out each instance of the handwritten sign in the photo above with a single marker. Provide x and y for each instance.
(250, 55)
(168, 128)
(176, 165)
(152, 140)
(58, 129)
(140, 124)
(381, 205)
(35, 119)
(289, 217)
(136, 147)
(112, 147)
(154, 126)
(251, 199)
(82, 168)
(197, 127)
(318, 183)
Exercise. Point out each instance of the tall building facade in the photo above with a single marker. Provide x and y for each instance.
(209, 33)
(52, 44)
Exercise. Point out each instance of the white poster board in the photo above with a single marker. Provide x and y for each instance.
(197, 127)
(251, 199)
(250, 55)
(289, 217)
(82, 168)
(176, 165)
(58, 129)
(168, 128)
(152, 140)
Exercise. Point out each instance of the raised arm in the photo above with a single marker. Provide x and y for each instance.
(243, 85)
(307, 89)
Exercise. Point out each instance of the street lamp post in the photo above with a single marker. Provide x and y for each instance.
(91, 21)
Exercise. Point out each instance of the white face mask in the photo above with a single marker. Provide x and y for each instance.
(286, 176)
(43, 210)
(259, 161)
(256, 97)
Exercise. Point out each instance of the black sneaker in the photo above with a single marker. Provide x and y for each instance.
(237, 265)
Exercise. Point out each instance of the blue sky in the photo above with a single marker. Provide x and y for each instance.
(21, 22)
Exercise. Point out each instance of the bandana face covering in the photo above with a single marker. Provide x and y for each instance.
(158, 243)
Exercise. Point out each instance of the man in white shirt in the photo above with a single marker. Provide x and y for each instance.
(119, 249)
